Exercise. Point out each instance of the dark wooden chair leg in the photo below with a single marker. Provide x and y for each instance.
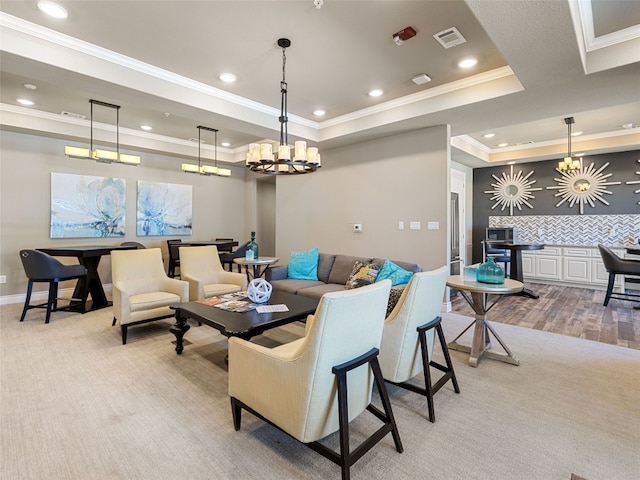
(612, 279)
(236, 412)
(430, 388)
(27, 300)
(113, 324)
(51, 299)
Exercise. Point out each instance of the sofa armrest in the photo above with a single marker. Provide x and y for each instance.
(278, 272)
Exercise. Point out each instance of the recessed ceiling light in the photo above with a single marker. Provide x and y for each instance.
(52, 9)
(146, 128)
(467, 62)
(225, 144)
(376, 92)
(502, 145)
(489, 135)
(24, 101)
(227, 77)
(29, 86)
(319, 113)
(575, 134)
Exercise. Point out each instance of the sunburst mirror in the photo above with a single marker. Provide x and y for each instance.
(512, 190)
(635, 182)
(584, 185)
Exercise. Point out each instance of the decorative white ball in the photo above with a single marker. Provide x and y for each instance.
(259, 290)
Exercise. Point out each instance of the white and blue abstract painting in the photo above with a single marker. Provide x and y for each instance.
(83, 206)
(163, 209)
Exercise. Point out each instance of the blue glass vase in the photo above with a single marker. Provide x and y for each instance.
(490, 272)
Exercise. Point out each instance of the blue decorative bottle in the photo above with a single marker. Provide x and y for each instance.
(490, 272)
(252, 248)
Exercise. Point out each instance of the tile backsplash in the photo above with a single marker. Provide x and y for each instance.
(586, 230)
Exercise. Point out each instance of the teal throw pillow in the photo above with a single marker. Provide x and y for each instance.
(303, 265)
(395, 273)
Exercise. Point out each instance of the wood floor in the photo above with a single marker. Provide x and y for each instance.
(577, 312)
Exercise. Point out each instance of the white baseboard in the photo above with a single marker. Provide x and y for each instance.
(41, 295)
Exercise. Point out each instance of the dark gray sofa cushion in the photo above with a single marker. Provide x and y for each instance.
(342, 267)
(318, 290)
(293, 286)
(325, 263)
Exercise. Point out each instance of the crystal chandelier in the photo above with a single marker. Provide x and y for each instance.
(261, 159)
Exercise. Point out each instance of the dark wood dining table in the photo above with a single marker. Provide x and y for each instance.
(89, 256)
(515, 270)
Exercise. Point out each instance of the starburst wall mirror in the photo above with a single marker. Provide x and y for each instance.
(512, 190)
(583, 186)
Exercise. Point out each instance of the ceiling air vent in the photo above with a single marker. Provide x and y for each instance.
(74, 115)
(450, 37)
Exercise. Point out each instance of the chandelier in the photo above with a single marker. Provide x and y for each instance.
(261, 159)
(207, 169)
(569, 164)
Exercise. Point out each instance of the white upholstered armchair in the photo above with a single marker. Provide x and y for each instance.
(408, 337)
(142, 292)
(301, 387)
(201, 267)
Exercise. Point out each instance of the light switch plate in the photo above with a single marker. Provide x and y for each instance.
(414, 225)
(400, 225)
(433, 226)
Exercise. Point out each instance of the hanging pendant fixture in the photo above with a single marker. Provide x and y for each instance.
(207, 169)
(569, 164)
(261, 158)
(100, 155)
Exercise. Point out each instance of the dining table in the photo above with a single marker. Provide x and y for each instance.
(91, 284)
(515, 269)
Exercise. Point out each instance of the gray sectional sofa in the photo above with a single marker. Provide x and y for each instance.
(333, 273)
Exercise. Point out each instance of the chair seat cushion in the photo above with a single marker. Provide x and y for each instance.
(147, 301)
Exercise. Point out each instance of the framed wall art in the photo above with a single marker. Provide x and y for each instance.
(164, 209)
(84, 206)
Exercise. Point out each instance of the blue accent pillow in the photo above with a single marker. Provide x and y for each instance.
(395, 273)
(303, 265)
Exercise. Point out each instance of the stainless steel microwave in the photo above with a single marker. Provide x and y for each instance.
(502, 234)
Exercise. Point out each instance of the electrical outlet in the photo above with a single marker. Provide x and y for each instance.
(3, 279)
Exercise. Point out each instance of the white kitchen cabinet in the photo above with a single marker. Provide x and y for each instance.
(575, 266)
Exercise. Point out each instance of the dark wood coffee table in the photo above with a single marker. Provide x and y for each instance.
(243, 325)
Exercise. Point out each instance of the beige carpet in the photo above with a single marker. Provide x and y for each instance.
(76, 404)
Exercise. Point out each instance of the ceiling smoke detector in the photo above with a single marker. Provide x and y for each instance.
(421, 79)
(449, 37)
(403, 35)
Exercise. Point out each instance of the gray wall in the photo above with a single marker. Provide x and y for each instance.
(623, 200)
(26, 164)
(377, 183)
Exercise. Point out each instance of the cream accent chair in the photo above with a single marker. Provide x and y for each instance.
(408, 337)
(301, 387)
(201, 267)
(142, 292)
